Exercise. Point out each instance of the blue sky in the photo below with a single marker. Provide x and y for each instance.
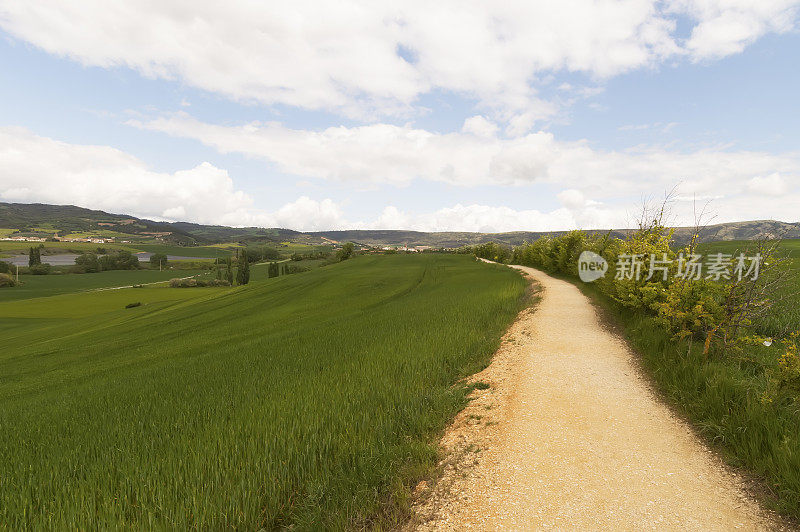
(353, 121)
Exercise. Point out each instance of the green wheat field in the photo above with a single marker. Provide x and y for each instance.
(304, 400)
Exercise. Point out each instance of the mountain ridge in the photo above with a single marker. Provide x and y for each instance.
(33, 217)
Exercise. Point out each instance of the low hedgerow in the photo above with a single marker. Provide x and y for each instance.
(191, 282)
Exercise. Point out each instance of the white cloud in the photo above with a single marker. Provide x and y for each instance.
(480, 125)
(175, 213)
(359, 58)
(303, 214)
(726, 27)
(491, 219)
(480, 218)
(635, 127)
(39, 169)
(657, 126)
(572, 199)
(383, 153)
(770, 185)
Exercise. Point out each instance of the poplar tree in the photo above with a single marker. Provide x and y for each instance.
(243, 269)
(34, 256)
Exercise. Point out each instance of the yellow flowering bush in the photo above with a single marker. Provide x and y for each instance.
(714, 312)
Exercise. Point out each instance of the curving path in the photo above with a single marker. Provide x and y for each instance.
(583, 443)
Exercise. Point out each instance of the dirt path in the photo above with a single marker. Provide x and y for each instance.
(569, 435)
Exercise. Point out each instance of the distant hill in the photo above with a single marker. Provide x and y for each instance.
(742, 231)
(37, 218)
(375, 237)
(712, 233)
(46, 220)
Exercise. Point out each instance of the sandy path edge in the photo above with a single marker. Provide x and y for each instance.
(570, 435)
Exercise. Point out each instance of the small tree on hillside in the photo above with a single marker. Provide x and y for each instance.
(158, 259)
(229, 270)
(346, 252)
(270, 253)
(88, 262)
(119, 260)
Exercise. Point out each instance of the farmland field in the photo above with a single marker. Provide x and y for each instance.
(296, 247)
(785, 316)
(9, 248)
(185, 251)
(36, 286)
(309, 400)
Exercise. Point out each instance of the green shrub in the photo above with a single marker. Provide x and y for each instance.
(6, 280)
(191, 282)
(158, 260)
(87, 263)
(784, 380)
(491, 251)
(183, 283)
(314, 255)
(711, 311)
(119, 260)
(39, 269)
(345, 252)
(267, 253)
(292, 268)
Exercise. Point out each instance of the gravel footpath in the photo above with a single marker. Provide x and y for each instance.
(570, 436)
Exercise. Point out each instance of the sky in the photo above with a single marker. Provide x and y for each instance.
(445, 116)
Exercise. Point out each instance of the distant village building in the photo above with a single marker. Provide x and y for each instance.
(91, 240)
(25, 239)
